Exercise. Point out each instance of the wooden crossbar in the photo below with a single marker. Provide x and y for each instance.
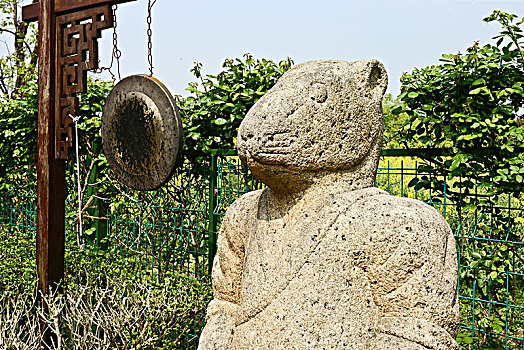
(31, 12)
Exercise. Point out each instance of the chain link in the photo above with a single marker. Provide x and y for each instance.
(116, 51)
(150, 5)
(116, 54)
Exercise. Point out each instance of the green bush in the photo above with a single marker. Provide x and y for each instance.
(17, 260)
(470, 103)
(212, 113)
(392, 123)
(18, 125)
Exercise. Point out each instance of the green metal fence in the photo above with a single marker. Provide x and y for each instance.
(490, 252)
(167, 228)
(18, 211)
(176, 226)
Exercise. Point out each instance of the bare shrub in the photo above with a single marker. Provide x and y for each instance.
(19, 326)
(120, 315)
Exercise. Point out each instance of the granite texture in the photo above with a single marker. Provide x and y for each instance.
(321, 259)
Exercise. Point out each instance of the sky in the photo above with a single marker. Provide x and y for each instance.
(402, 34)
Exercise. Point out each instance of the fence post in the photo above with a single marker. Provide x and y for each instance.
(212, 225)
(99, 206)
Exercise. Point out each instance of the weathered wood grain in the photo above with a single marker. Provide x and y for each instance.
(30, 13)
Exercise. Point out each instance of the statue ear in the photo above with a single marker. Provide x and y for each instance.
(373, 76)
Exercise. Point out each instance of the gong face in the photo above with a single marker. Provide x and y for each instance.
(141, 132)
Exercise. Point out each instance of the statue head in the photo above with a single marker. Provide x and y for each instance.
(321, 117)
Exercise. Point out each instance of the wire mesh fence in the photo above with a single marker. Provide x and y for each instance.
(175, 228)
(490, 250)
(164, 229)
(18, 211)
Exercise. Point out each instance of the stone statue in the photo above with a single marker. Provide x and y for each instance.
(321, 259)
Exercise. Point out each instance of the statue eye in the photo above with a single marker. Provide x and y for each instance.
(318, 92)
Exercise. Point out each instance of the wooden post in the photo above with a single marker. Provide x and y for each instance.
(50, 224)
(50, 221)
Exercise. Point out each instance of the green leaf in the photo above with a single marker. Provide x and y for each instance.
(447, 57)
(497, 328)
(397, 110)
(477, 90)
(467, 137)
(479, 82)
(413, 182)
(220, 121)
(454, 164)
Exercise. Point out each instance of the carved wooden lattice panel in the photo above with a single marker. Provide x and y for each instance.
(77, 39)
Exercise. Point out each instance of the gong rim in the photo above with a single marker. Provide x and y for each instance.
(142, 133)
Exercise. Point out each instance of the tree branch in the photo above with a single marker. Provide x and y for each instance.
(28, 47)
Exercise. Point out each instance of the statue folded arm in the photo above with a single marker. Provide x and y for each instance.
(414, 273)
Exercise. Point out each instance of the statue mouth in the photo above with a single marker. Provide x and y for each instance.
(249, 157)
(272, 148)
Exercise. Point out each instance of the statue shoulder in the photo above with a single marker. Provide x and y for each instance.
(376, 206)
(235, 226)
(411, 209)
(242, 205)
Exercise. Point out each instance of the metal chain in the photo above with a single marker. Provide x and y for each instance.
(116, 51)
(116, 54)
(150, 5)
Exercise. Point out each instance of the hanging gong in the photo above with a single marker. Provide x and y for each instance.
(141, 132)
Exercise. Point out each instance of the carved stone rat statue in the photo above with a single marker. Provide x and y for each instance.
(321, 259)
